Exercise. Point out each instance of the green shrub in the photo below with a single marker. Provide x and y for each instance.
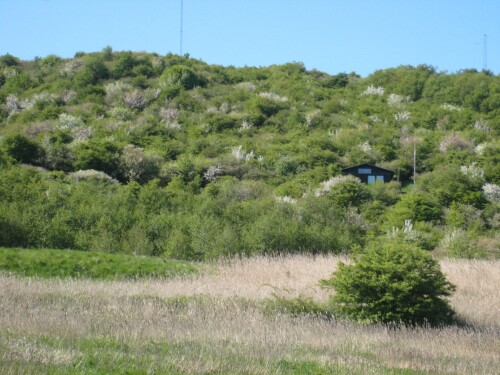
(22, 149)
(395, 282)
(180, 76)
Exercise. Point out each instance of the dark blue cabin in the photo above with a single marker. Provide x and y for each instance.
(368, 173)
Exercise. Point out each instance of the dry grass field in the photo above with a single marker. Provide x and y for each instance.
(217, 323)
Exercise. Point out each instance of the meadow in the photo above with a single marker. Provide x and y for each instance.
(232, 318)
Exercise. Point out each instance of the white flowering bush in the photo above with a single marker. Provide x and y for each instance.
(482, 126)
(91, 174)
(71, 68)
(457, 244)
(327, 186)
(67, 121)
(213, 173)
(139, 165)
(472, 171)
(116, 90)
(451, 107)
(82, 134)
(286, 199)
(311, 116)
(245, 125)
(492, 192)
(454, 142)
(402, 116)
(12, 103)
(273, 97)
(395, 100)
(135, 99)
(479, 149)
(408, 234)
(365, 147)
(247, 86)
(241, 155)
(121, 113)
(372, 90)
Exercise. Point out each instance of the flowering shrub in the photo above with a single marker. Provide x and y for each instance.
(12, 103)
(139, 165)
(121, 113)
(457, 244)
(402, 116)
(409, 235)
(479, 149)
(482, 126)
(372, 90)
(241, 155)
(454, 142)
(327, 186)
(286, 199)
(91, 174)
(492, 192)
(135, 99)
(451, 107)
(273, 97)
(67, 121)
(213, 173)
(473, 171)
(116, 90)
(395, 100)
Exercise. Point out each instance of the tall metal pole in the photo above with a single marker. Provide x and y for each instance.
(485, 52)
(182, 20)
(414, 160)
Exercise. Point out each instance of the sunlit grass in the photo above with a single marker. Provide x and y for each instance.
(221, 322)
(88, 264)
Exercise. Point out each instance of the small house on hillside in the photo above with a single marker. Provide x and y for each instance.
(368, 173)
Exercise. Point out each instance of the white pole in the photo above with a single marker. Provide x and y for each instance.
(414, 160)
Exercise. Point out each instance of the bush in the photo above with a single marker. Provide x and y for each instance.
(22, 149)
(180, 76)
(395, 282)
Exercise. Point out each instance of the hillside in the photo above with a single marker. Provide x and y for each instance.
(167, 155)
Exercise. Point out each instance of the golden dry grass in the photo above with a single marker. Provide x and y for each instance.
(223, 329)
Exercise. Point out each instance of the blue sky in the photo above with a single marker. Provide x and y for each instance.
(329, 35)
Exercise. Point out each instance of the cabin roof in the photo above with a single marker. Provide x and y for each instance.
(349, 169)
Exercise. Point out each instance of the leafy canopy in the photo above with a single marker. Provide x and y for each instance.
(395, 282)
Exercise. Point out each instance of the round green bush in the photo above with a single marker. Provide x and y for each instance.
(392, 283)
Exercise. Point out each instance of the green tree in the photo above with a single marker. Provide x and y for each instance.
(22, 149)
(101, 156)
(395, 282)
(94, 70)
(180, 76)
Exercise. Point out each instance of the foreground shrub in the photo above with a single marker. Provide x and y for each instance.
(395, 282)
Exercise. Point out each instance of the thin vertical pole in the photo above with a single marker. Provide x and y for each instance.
(485, 52)
(414, 160)
(182, 20)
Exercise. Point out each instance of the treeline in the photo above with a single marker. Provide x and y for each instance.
(166, 155)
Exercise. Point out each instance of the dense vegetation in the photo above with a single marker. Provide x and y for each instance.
(392, 282)
(167, 155)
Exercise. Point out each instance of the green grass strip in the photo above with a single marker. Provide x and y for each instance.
(89, 264)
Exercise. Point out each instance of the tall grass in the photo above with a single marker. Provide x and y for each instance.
(215, 323)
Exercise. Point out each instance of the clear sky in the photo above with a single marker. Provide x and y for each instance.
(329, 35)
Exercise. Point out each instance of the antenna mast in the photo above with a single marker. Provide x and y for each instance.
(485, 52)
(414, 160)
(182, 19)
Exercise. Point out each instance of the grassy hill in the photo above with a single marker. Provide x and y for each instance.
(167, 155)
